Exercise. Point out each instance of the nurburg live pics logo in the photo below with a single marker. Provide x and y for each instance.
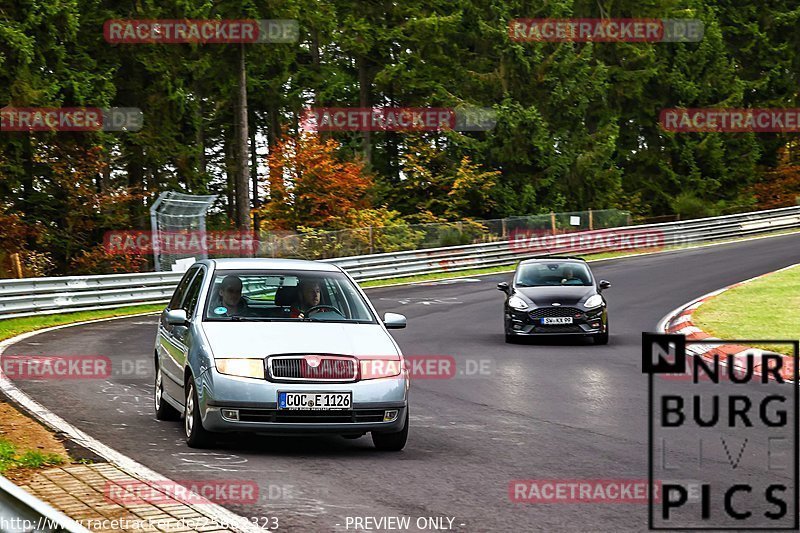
(732, 427)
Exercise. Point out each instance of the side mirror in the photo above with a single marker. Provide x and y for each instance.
(604, 284)
(177, 317)
(394, 321)
(503, 286)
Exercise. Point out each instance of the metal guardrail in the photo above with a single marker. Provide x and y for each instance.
(21, 512)
(25, 297)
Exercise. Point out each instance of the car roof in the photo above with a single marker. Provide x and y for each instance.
(553, 259)
(265, 263)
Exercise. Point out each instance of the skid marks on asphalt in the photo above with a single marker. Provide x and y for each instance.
(205, 461)
(128, 398)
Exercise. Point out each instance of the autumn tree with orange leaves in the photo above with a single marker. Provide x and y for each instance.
(781, 187)
(311, 186)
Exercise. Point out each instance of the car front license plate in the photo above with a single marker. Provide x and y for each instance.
(315, 401)
(551, 321)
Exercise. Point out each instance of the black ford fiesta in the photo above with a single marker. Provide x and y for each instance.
(555, 296)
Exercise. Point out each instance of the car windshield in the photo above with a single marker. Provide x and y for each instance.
(553, 274)
(271, 295)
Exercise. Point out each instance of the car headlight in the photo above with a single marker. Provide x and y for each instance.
(515, 302)
(380, 368)
(594, 301)
(245, 368)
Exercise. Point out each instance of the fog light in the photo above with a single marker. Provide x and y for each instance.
(517, 326)
(230, 414)
(595, 324)
(390, 416)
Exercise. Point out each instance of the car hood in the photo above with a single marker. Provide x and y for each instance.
(260, 339)
(562, 295)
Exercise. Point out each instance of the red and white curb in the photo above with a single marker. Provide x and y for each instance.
(133, 468)
(680, 322)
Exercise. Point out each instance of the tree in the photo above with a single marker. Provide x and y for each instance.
(309, 185)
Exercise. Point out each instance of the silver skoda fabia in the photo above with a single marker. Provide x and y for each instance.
(279, 346)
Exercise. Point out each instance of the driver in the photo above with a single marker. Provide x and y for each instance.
(230, 293)
(309, 294)
(570, 278)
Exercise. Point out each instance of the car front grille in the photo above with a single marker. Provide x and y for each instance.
(547, 312)
(297, 368)
(311, 417)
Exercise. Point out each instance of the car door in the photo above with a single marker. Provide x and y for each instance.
(182, 335)
(169, 347)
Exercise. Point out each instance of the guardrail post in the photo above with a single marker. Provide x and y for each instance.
(591, 222)
(553, 222)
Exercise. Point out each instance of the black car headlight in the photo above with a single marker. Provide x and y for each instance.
(517, 303)
(593, 301)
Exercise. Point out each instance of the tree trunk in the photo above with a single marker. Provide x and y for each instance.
(230, 172)
(242, 173)
(253, 129)
(364, 84)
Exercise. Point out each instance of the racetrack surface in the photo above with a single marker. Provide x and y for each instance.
(550, 410)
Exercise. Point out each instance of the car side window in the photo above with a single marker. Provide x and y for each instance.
(192, 294)
(177, 296)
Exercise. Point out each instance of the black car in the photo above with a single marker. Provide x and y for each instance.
(555, 296)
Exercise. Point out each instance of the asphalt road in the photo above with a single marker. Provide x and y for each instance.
(550, 410)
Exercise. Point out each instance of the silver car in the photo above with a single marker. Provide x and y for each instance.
(279, 346)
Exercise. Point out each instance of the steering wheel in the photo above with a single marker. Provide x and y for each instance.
(322, 306)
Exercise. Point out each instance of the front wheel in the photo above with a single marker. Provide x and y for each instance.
(601, 338)
(196, 434)
(391, 442)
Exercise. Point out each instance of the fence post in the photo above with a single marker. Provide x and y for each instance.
(371, 242)
(553, 222)
(591, 220)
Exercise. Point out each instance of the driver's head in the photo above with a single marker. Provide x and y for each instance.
(568, 272)
(309, 293)
(230, 291)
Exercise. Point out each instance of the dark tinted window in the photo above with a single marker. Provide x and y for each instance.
(177, 296)
(553, 273)
(192, 294)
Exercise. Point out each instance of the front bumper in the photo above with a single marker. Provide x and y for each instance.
(521, 323)
(256, 401)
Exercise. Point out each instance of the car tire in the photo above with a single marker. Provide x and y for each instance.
(196, 434)
(391, 442)
(164, 411)
(511, 339)
(602, 338)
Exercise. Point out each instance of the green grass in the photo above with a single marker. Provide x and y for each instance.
(16, 326)
(749, 311)
(11, 458)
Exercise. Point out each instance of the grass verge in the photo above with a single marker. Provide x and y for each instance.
(12, 458)
(749, 311)
(16, 326)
